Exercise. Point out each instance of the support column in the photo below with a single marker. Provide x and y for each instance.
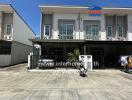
(103, 30)
(84, 48)
(0, 25)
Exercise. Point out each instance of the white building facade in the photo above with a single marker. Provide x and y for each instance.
(105, 37)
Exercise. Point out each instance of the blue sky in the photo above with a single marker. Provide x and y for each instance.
(29, 10)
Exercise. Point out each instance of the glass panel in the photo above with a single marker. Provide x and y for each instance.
(62, 31)
(109, 31)
(8, 29)
(47, 30)
(120, 31)
(88, 31)
(95, 32)
(66, 31)
(69, 31)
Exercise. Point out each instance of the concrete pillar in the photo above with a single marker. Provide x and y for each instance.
(0, 25)
(129, 24)
(55, 27)
(103, 30)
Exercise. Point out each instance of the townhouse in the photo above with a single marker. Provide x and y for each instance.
(14, 35)
(105, 37)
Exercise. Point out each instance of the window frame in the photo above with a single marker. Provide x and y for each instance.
(91, 33)
(7, 28)
(66, 30)
(107, 30)
(45, 29)
(122, 31)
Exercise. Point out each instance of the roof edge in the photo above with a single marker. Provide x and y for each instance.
(70, 6)
(23, 19)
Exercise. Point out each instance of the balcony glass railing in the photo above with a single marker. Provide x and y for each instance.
(119, 38)
(66, 36)
(92, 37)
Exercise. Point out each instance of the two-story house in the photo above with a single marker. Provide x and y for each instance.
(14, 35)
(105, 37)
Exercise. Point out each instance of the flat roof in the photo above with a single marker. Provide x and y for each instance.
(87, 3)
(49, 9)
(6, 8)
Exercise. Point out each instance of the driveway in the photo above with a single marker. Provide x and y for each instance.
(18, 84)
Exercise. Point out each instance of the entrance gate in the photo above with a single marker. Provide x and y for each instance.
(98, 57)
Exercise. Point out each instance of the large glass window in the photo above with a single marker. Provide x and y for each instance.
(8, 29)
(66, 31)
(120, 31)
(109, 30)
(92, 31)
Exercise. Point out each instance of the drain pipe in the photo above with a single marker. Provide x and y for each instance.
(79, 19)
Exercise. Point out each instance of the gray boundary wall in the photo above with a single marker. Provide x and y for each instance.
(19, 52)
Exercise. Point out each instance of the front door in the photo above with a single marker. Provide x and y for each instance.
(98, 57)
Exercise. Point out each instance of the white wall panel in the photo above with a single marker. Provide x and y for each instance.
(21, 31)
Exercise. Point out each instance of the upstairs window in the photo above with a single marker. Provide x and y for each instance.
(47, 30)
(120, 31)
(109, 30)
(8, 29)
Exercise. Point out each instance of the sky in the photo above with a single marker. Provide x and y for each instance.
(30, 12)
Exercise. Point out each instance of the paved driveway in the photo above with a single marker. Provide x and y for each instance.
(18, 84)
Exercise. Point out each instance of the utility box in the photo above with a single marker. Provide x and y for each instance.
(87, 61)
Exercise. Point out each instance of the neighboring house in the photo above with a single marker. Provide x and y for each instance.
(105, 37)
(14, 35)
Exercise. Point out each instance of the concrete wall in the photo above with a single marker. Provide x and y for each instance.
(21, 32)
(5, 60)
(19, 52)
(129, 20)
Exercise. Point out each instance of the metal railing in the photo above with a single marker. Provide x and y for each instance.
(92, 37)
(119, 38)
(66, 36)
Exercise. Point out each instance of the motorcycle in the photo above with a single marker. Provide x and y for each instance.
(83, 72)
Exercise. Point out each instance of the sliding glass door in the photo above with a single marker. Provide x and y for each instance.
(92, 31)
(66, 31)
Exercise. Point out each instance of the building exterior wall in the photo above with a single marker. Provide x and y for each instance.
(79, 33)
(125, 21)
(21, 32)
(19, 52)
(0, 25)
(5, 60)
